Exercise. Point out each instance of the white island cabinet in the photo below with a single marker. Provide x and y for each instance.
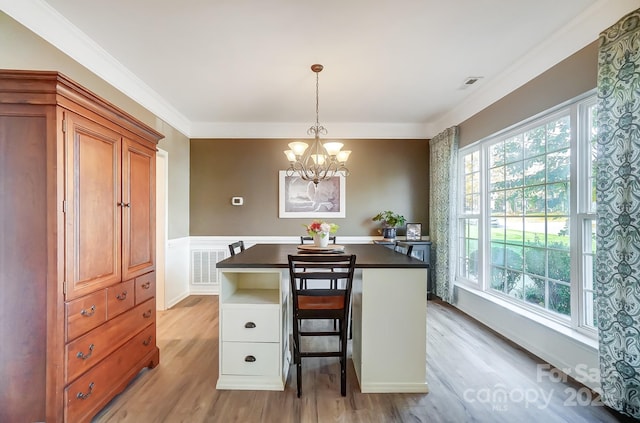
(389, 309)
(253, 321)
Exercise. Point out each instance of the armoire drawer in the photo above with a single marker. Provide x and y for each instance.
(145, 287)
(93, 390)
(85, 352)
(250, 324)
(120, 298)
(250, 358)
(85, 313)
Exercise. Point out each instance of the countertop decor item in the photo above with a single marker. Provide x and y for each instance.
(320, 231)
(390, 221)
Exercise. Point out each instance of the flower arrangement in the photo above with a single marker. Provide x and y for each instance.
(322, 228)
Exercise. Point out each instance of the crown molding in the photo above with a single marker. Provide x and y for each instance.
(42, 19)
(339, 130)
(39, 17)
(582, 30)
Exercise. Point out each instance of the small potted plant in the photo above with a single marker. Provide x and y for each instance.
(390, 221)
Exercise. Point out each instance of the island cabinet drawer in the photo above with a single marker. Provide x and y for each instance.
(84, 397)
(249, 358)
(120, 298)
(85, 352)
(250, 324)
(145, 287)
(85, 313)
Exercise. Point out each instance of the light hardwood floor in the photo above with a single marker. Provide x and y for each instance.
(468, 366)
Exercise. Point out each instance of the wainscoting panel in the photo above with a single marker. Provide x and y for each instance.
(206, 251)
(176, 271)
(204, 276)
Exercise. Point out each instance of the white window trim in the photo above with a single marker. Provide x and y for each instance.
(576, 108)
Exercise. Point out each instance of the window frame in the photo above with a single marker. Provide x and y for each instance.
(579, 213)
(463, 216)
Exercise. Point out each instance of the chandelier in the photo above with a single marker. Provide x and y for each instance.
(321, 161)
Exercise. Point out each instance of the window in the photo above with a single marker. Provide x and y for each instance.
(587, 215)
(468, 241)
(527, 201)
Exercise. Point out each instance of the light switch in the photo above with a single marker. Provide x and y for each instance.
(237, 201)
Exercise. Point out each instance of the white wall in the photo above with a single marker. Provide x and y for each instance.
(176, 271)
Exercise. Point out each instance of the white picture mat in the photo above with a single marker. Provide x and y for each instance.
(302, 199)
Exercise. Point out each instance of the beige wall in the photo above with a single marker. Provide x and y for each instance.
(22, 49)
(571, 77)
(385, 174)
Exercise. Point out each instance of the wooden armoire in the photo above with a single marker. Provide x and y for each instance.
(77, 249)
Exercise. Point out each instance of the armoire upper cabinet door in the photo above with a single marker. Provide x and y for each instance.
(93, 209)
(138, 215)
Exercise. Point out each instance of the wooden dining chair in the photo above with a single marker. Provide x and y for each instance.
(236, 247)
(403, 247)
(321, 303)
(308, 239)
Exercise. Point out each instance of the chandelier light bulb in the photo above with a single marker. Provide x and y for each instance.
(319, 159)
(333, 148)
(343, 155)
(298, 147)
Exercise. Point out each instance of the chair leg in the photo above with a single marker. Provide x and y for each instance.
(343, 360)
(299, 377)
(297, 359)
(350, 323)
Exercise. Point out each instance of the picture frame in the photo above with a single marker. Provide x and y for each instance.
(414, 231)
(299, 198)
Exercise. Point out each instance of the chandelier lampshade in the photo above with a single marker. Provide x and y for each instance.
(322, 160)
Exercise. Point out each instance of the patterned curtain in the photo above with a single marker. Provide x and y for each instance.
(442, 210)
(618, 214)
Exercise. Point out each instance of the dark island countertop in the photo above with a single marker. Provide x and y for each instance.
(368, 256)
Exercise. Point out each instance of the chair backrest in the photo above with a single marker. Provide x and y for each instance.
(308, 239)
(321, 267)
(236, 245)
(404, 247)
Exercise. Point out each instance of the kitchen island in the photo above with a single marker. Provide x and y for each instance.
(389, 307)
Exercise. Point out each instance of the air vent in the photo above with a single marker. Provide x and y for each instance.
(470, 81)
(203, 266)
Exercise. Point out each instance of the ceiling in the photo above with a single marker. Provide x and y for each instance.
(392, 69)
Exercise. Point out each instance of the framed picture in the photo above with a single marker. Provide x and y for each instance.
(300, 198)
(414, 231)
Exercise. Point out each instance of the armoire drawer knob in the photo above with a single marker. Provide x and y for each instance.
(84, 356)
(250, 359)
(82, 396)
(249, 325)
(88, 313)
